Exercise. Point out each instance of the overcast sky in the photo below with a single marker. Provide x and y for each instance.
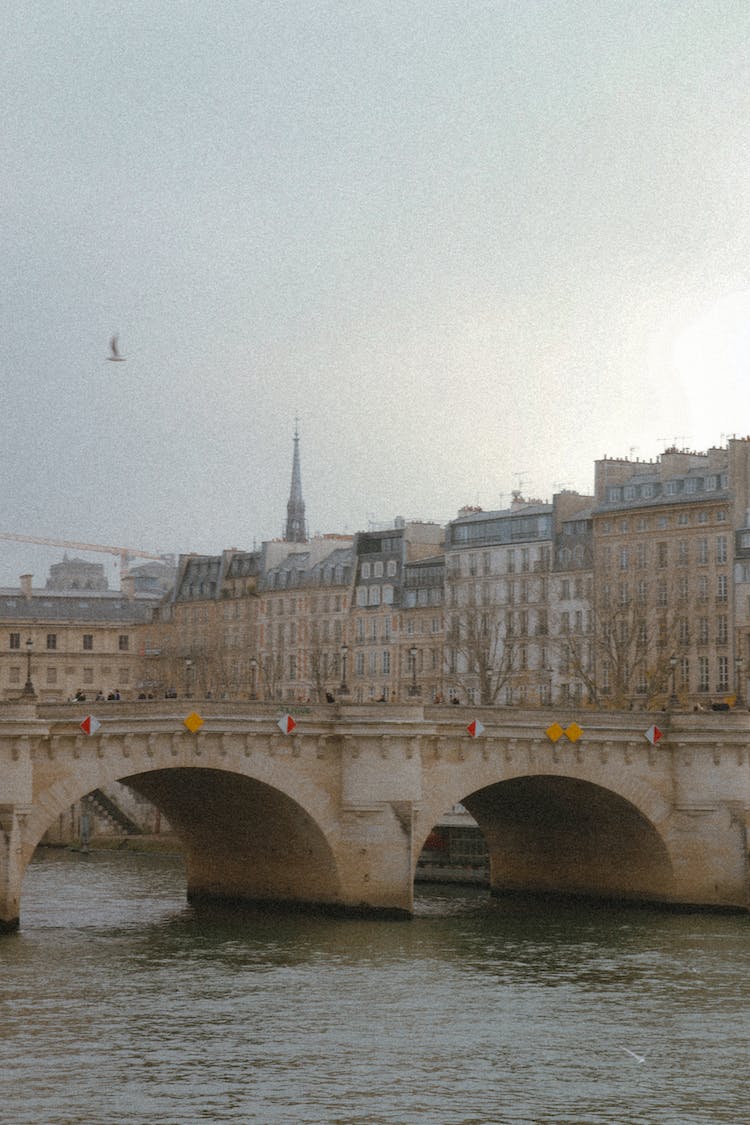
(473, 246)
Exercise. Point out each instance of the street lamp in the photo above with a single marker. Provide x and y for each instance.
(739, 664)
(253, 678)
(413, 690)
(344, 690)
(28, 687)
(673, 700)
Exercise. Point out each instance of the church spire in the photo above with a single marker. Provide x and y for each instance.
(296, 531)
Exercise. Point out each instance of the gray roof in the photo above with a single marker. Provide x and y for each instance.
(62, 605)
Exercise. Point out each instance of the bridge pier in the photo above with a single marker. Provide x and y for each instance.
(12, 865)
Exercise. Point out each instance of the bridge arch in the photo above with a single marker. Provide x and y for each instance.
(243, 836)
(555, 833)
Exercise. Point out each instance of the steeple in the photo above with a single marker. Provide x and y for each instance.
(296, 531)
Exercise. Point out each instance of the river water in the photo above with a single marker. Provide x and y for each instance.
(120, 1004)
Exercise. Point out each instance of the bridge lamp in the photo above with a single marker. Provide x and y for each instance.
(28, 687)
(253, 678)
(739, 664)
(673, 700)
(344, 651)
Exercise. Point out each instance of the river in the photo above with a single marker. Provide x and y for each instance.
(120, 1004)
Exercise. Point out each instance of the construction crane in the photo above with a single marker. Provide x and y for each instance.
(124, 554)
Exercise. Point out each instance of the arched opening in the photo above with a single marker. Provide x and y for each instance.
(561, 835)
(552, 835)
(242, 839)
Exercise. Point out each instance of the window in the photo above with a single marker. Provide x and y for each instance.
(721, 588)
(359, 664)
(624, 558)
(386, 662)
(722, 632)
(391, 568)
(123, 642)
(15, 640)
(722, 683)
(365, 570)
(388, 595)
(374, 595)
(88, 641)
(377, 570)
(702, 551)
(361, 595)
(721, 548)
(661, 554)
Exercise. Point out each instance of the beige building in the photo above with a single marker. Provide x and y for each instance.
(423, 630)
(66, 642)
(303, 613)
(665, 618)
(381, 655)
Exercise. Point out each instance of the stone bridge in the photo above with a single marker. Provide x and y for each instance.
(335, 813)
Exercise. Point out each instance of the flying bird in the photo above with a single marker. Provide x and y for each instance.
(115, 357)
(638, 1058)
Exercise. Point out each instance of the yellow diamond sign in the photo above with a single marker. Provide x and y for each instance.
(573, 732)
(193, 722)
(554, 732)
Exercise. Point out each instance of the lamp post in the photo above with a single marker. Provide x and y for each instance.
(673, 700)
(413, 690)
(28, 687)
(739, 664)
(253, 678)
(188, 670)
(344, 690)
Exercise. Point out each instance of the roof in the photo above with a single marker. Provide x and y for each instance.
(62, 605)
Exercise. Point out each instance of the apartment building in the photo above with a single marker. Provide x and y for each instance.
(62, 642)
(502, 643)
(303, 611)
(423, 629)
(667, 536)
(380, 654)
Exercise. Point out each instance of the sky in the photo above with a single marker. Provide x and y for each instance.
(471, 246)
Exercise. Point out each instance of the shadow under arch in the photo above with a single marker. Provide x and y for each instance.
(242, 839)
(560, 835)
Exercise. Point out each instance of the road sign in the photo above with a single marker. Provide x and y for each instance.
(193, 722)
(653, 734)
(475, 728)
(90, 725)
(286, 724)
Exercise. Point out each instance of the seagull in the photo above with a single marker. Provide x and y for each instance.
(638, 1058)
(115, 357)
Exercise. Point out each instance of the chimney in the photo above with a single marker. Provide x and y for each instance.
(127, 585)
(26, 585)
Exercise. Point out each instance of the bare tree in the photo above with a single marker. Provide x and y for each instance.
(481, 639)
